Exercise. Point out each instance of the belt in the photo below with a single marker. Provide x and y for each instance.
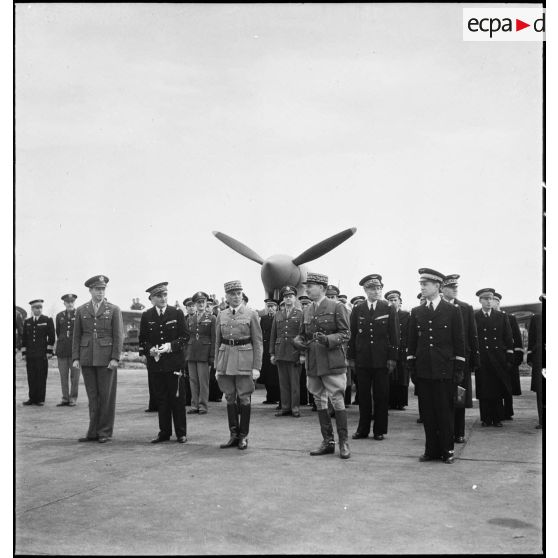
(236, 342)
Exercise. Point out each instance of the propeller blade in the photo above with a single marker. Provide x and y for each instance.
(238, 247)
(324, 246)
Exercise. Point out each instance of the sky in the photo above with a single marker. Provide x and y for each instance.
(142, 128)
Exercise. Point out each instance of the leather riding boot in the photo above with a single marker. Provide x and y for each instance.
(233, 427)
(342, 432)
(244, 426)
(328, 444)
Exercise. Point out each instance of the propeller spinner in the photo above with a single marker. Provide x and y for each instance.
(281, 270)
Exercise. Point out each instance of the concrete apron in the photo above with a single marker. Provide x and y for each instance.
(133, 497)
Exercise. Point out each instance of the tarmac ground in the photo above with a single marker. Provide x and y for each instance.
(130, 497)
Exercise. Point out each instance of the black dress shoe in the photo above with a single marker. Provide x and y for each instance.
(449, 459)
(378, 437)
(28, 402)
(40, 403)
(459, 439)
(86, 439)
(63, 404)
(284, 413)
(359, 436)
(498, 424)
(159, 439)
(103, 439)
(242, 442)
(193, 412)
(266, 402)
(426, 457)
(181, 439)
(324, 449)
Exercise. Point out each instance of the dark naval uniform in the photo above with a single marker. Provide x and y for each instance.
(493, 381)
(399, 380)
(514, 368)
(436, 355)
(168, 379)
(374, 340)
(537, 359)
(37, 344)
(98, 339)
(64, 336)
(284, 329)
(270, 374)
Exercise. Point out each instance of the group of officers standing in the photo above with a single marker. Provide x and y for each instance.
(438, 345)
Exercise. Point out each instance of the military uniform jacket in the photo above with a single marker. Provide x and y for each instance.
(244, 325)
(516, 333)
(495, 342)
(266, 323)
(38, 337)
(332, 319)
(98, 338)
(64, 324)
(374, 335)
(201, 344)
(283, 331)
(535, 349)
(156, 330)
(435, 340)
(470, 331)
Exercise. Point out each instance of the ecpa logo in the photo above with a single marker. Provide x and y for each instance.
(503, 24)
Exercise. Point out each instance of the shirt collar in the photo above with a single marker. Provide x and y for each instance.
(487, 312)
(435, 302)
(372, 304)
(161, 311)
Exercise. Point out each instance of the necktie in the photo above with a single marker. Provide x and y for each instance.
(234, 311)
(95, 307)
(431, 307)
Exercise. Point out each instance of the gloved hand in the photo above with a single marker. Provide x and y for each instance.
(272, 359)
(255, 374)
(321, 338)
(391, 365)
(458, 371)
(113, 364)
(518, 357)
(154, 351)
(165, 348)
(75, 364)
(302, 359)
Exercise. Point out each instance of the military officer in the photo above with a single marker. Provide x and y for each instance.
(162, 338)
(517, 359)
(332, 292)
(492, 379)
(64, 323)
(239, 351)
(472, 358)
(201, 352)
(96, 348)
(399, 380)
(356, 300)
(190, 311)
(306, 398)
(304, 301)
(436, 359)
(270, 374)
(285, 327)
(536, 358)
(18, 328)
(323, 335)
(373, 351)
(36, 348)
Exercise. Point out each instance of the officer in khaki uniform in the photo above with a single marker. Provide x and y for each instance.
(323, 336)
(36, 348)
(285, 327)
(96, 348)
(64, 335)
(201, 352)
(239, 351)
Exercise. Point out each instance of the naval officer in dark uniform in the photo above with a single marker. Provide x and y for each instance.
(517, 359)
(162, 338)
(374, 351)
(37, 345)
(64, 324)
(436, 360)
(472, 358)
(97, 348)
(536, 358)
(492, 379)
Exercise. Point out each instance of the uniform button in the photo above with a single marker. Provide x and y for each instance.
(431, 345)
(486, 337)
(431, 337)
(486, 347)
(430, 329)
(494, 338)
